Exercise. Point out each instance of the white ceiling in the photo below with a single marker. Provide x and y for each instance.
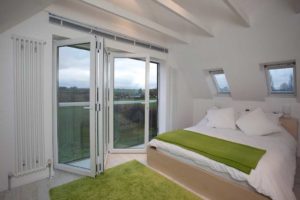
(211, 14)
(13, 12)
(238, 45)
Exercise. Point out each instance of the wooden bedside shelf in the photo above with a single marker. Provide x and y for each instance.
(291, 125)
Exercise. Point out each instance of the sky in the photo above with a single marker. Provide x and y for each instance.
(74, 66)
(221, 80)
(280, 76)
(130, 74)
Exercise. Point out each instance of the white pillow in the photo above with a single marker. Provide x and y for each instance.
(221, 118)
(274, 117)
(256, 123)
(204, 120)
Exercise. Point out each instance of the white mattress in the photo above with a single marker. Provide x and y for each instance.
(274, 174)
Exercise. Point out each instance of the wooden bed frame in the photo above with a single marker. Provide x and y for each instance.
(204, 183)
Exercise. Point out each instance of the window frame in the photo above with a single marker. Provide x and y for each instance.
(280, 65)
(215, 72)
(158, 92)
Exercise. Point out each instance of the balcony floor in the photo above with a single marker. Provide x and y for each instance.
(85, 164)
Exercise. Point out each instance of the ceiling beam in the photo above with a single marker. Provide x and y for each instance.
(184, 14)
(115, 10)
(238, 11)
(297, 6)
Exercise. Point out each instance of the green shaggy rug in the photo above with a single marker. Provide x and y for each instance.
(129, 181)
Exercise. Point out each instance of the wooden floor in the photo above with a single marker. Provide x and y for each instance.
(297, 180)
(39, 190)
(117, 159)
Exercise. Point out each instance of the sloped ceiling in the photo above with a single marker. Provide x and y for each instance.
(245, 33)
(273, 36)
(157, 13)
(211, 13)
(13, 12)
(296, 5)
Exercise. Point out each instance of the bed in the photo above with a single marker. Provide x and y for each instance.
(273, 177)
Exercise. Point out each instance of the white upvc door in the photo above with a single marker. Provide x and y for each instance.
(128, 102)
(100, 102)
(77, 116)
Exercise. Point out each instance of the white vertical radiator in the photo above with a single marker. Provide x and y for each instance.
(28, 105)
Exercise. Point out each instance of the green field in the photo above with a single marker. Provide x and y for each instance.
(73, 134)
(73, 129)
(129, 124)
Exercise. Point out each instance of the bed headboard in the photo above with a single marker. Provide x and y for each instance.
(291, 125)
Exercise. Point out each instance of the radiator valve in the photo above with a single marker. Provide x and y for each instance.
(49, 164)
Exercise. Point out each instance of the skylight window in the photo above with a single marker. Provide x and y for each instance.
(220, 81)
(281, 78)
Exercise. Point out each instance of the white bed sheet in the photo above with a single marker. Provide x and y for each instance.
(274, 174)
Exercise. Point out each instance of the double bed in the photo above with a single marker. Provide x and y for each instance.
(273, 177)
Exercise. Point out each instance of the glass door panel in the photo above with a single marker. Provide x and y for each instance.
(153, 100)
(73, 102)
(76, 115)
(129, 103)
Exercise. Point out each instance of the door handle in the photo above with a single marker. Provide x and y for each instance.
(87, 107)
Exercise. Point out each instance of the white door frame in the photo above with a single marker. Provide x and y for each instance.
(146, 57)
(105, 105)
(100, 104)
(92, 104)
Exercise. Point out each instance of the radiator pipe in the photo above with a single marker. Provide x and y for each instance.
(10, 176)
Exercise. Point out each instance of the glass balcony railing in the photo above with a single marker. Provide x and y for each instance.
(73, 127)
(129, 123)
(73, 132)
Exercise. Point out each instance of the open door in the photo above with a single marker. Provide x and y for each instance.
(77, 109)
(129, 102)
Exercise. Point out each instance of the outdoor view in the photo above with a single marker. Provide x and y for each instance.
(282, 80)
(73, 100)
(222, 83)
(129, 103)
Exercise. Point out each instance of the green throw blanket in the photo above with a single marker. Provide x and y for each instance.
(238, 156)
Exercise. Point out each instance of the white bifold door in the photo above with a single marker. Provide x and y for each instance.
(133, 102)
(78, 118)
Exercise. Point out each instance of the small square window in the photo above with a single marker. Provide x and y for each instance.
(220, 81)
(281, 78)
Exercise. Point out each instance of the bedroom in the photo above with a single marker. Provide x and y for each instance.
(86, 85)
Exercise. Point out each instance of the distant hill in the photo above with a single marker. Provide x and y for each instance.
(74, 94)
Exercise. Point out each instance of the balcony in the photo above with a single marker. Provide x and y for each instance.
(73, 128)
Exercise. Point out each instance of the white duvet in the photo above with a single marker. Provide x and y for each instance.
(274, 174)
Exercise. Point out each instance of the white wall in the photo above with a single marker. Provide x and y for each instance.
(39, 28)
(273, 36)
(35, 27)
(180, 100)
(200, 107)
